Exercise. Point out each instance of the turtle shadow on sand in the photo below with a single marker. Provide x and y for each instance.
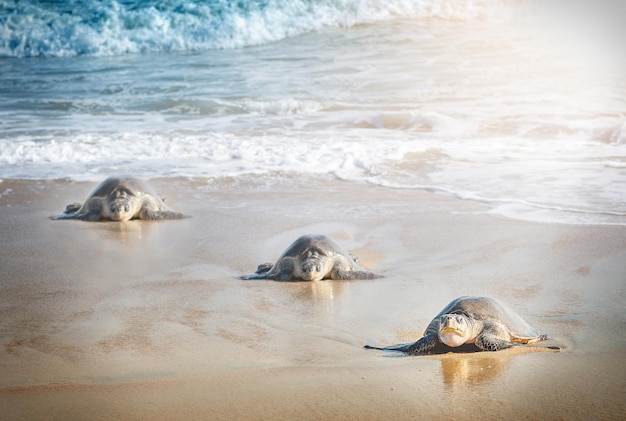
(469, 324)
(120, 199)
(312, 258)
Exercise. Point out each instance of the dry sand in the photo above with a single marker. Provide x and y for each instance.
(145, 320)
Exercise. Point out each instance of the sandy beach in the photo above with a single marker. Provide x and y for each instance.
(148, 320)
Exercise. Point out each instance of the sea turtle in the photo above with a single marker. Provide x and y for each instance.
(312, 258)
(120, 199)
(479, 323)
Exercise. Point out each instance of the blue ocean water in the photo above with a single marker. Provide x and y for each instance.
(110, 27)
(476, 99)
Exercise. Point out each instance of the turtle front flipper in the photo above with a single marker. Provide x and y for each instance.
(488, 341)
(284, 271)
(151, 215)
(423, 346)
(90, 211)
(262, 272)
(69, 212)
(399, 347)
(342, 270)
(152, 209)
(264, 267)
(254, 276)
(493, 337)
(352, 274)
(72, 208)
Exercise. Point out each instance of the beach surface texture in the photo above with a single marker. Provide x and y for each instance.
(144, 320)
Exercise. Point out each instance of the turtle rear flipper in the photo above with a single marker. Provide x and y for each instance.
(538, 339)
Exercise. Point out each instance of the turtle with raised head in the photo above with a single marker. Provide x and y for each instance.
(312, 258)
(474, 323)
(120, 199)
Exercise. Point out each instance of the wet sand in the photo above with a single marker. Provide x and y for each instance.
(144, 320)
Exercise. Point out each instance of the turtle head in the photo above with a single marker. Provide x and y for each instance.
(119, 206)
(313, 266)
(455, 329)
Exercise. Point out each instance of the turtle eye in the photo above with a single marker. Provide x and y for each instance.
(459, 319)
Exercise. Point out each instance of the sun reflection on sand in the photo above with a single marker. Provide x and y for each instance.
(459, 370)
(322, 291)
(473, 368)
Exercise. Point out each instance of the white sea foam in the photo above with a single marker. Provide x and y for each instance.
(201, 154)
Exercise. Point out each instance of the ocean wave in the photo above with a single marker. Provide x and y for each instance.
(32, 28)
(209, 154)
(563, 182)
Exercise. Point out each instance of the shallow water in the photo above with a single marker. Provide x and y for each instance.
(473, 103)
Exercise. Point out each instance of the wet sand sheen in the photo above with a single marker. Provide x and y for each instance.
(141, 319)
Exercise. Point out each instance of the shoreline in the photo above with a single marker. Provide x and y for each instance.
(150, 315)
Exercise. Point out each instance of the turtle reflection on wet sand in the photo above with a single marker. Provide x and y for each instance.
(470, 324)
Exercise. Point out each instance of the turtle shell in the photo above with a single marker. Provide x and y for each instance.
(130, 185)
(320, 244)
(486, 309)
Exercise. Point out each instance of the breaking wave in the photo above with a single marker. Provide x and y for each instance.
(33, 28)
